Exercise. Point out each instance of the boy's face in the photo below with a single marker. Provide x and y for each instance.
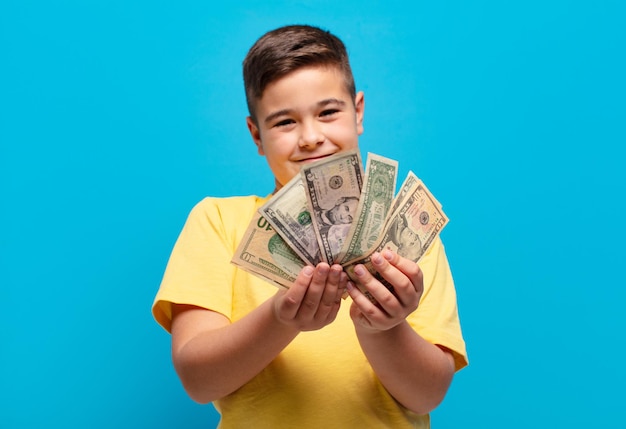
(305, 116)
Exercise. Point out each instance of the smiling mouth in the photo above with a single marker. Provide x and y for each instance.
(313, 159)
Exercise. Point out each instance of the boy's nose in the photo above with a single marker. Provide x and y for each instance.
(311, 136)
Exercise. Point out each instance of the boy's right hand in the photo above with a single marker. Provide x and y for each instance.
(314, 299)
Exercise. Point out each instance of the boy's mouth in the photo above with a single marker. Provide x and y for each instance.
(313, 158)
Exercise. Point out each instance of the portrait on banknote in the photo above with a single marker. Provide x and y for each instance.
(403, 240)
(334, 222)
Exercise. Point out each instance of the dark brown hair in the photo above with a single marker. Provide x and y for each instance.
(286, 49)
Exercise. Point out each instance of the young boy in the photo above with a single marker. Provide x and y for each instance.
(303, 357)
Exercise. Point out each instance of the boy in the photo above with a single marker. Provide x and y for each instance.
(303, 357)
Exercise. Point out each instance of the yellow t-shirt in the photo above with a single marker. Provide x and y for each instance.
(322, 378)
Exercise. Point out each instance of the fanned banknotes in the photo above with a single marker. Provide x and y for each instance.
(333, 212)
(265, 254)
(374, 204)
(333, 188)
(409, 231)
(289, 214)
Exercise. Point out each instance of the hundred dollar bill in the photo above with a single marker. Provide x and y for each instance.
(376, 198)
(410, 230)
(333, 187)
(288, 212)
(264, 253)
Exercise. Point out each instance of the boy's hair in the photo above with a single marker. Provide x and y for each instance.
(286, 49)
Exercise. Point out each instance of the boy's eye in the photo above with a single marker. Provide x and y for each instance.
(329, 112)
(283, 122)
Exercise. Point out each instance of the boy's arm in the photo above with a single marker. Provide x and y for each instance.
(416, 372)
(213, 357)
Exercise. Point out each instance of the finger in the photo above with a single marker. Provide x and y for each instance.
(379, 292)
(332, 285)
(313, 295)
(293, 297)
(332, 314)
(404, 287)
(367, 307)
(407, 267)
(329, 300)
(342, 291)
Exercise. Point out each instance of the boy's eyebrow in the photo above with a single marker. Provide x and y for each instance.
(323, 103)
(328, 101)
(269, 118)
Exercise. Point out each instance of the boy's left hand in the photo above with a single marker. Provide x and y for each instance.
(393, 307)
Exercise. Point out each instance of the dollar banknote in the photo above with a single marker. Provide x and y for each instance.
(333, 188)
(410, 180)
(264, 253)
(288, 212)
(376, 198)
(333, 212)
(409, 231)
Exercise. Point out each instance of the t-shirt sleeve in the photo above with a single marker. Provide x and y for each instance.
(436, 318)
(199, 271)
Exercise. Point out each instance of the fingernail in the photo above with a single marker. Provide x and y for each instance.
(323, 269)
(308, 271)
(359, 270)
(376, 258)
(349, 286)
(388, 254)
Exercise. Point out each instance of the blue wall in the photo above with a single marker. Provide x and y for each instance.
(116, 117)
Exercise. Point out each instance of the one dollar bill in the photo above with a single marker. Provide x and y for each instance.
(374, 204)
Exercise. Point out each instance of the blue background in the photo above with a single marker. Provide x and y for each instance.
(116, 117)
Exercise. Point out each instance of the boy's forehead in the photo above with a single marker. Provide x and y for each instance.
(327, 80)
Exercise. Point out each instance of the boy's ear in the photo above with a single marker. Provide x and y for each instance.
(255, 134)
(359, 104)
